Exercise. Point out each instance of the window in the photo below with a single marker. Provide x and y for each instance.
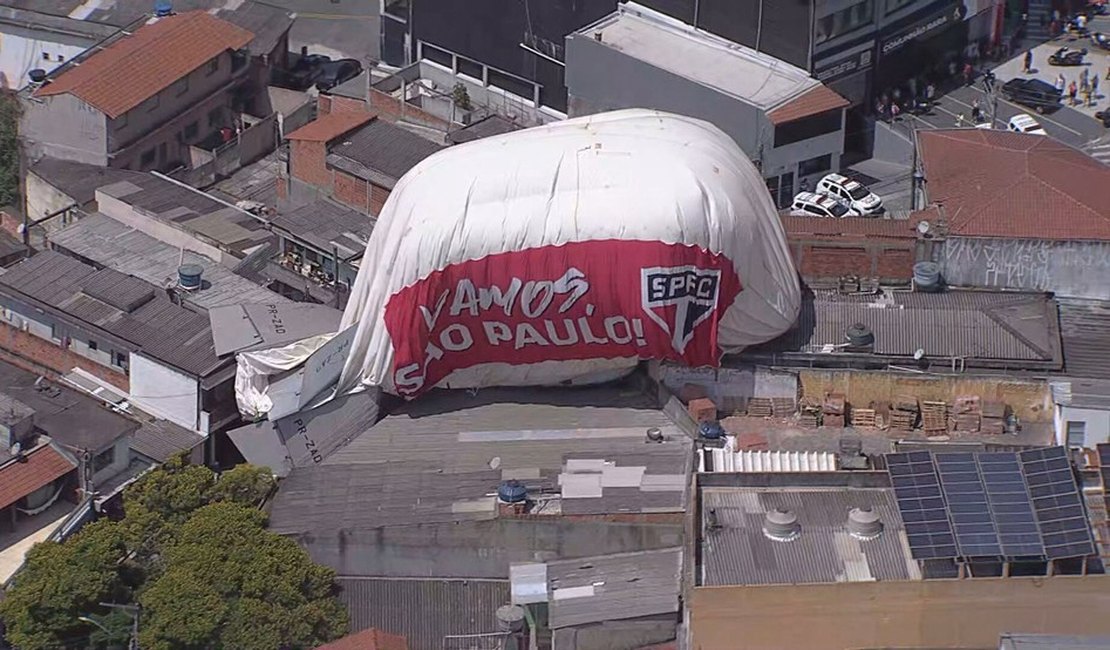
(215, 116)
(844, 21)
(45, 56)
(895, 5)
(55, 333)
(147, 159)
(190, 132)
(119, 359)
(181, 86)
(104, 459)
(807, 127)
(1077, 434)
(815, 166)
(213, 66)
(93, 345)
(61, 58)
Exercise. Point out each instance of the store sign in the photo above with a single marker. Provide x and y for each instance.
(831, 70)
(925, 27)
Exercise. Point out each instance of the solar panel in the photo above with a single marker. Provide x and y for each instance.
(917, 490)
(968, 508)
(1011, 507)
(1061, 516)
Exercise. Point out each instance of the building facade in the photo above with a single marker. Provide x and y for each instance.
(36, 41)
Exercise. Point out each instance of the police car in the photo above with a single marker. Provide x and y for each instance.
(860, 199)
(809, 204)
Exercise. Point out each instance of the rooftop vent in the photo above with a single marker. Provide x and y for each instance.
(864, 523)
(859, 336)
(711, 430)
(163, 8)
(189, 276)
(512, 492)
(781, 525)
(655, 434)
(38, 75)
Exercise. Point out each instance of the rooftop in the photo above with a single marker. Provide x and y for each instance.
(989, 329)
(160, 439)
(484, 128)
(189, 210)
(48, 22)
(38, 468)
(425, 612)
(110, 243)
(1052, 642)
(604, 588)
(325, 224)
(326, 128)
(120, 305)
(380, 152)
(1085, 332)
(736, 550)
(372, 639)
(254, 326)
(717, 63)
(851, 228)
(443, 456)
(1002, 184)
(354, 88)
(80, 181)
(135, 68)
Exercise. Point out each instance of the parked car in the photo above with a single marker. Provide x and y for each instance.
(1104, 117)
(1039, 95)
(333, 73)
(1023, 123)
(1067, 56)
(854, 193)
(305, 71)
(810, 204)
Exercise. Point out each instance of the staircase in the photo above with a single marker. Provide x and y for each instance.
(1039, 11)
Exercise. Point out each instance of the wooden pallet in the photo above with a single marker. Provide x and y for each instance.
(809, 420)
(783, 407)
(760, 407)
(902, 420)
(966, 422)
(992, 426)
(863, 417)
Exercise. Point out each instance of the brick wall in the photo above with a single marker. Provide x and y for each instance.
(326, 104)
(378, 195)
(393, 109)
(41, 356)
(887, 260)
(351, 191)
(308, 163)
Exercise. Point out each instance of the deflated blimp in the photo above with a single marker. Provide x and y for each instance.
(567, 253)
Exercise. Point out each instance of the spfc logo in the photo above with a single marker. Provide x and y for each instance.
(679, 299)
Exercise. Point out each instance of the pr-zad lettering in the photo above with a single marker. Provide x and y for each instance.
(309, 444)
(275, 319)
(519, 314)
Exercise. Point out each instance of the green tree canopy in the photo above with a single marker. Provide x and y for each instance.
(9, 148)
(193, 550)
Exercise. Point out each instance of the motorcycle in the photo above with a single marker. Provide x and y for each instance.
(1067, 57)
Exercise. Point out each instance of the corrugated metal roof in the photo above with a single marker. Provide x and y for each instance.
(158, 328)
(444, 455)
(614, 587)
(160, 439)
(324, 223)
(107, 242)
(385, 148)
(79, 181)
(735, 550)
(973, 325)
(425, 611)
(1085, 331)
(38, 468)
(484, 128)
(746, 460)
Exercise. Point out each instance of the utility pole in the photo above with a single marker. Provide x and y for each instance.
(134, 611)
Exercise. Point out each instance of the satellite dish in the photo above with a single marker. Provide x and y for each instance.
(17, 449)
(919, 354)
(923, 227)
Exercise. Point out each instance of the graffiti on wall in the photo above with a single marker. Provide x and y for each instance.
(1071, 268)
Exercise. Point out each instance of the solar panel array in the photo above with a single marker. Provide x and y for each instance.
(917, 489)
(991, 504)
(1104, 470)
(1056, 500)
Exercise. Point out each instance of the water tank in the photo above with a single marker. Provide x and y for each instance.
(38, 75)
(512, 492)
(655, 434)
(163, 8)
(189, 276)
(864, 523)
(860, 335)
(510, 618)
(926, 276)
(711, 430)
(781, 525)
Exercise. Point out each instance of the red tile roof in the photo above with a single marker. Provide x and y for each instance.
(371, 639)
(39, 468)
(329, 127)
(1004, 184)
(136, 67)
(816, 100)
(851, 229)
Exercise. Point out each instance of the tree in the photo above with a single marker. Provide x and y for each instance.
(61, 582)
(461, 97)
(229, 583)
(192, 548)
(9, 148)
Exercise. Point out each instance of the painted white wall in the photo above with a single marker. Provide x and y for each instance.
(20, 54)
(1096, 429)
(164, 391)
(119, 463)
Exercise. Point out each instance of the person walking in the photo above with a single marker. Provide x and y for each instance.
(1094, 87)
(1028, 61)
(1061, 83)
(976, 112)
(1073, 90)
(968, 72)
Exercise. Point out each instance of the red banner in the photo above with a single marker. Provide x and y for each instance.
(604, 299)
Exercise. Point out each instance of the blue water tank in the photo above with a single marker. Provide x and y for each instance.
(189, 276)
(163, 8)
(512, 492)
(711, 430)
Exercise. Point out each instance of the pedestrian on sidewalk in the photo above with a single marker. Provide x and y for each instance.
(1084, 77)
(895, 111)
(960, 119)
(1108, 73)
(1087, 95)
(1028, 61)
(988, 81)
(968, 72)
(1073, 90)
(931, 91)
(1061, 83)
(1094, 87)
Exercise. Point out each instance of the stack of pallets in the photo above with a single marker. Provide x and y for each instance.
(934, 417)
(903, 415)
(760, 407)
(834, 410)
(882, 412)
(863, 418)
(966, 413)
(809, 413)
(783, 407)
(994, 418)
